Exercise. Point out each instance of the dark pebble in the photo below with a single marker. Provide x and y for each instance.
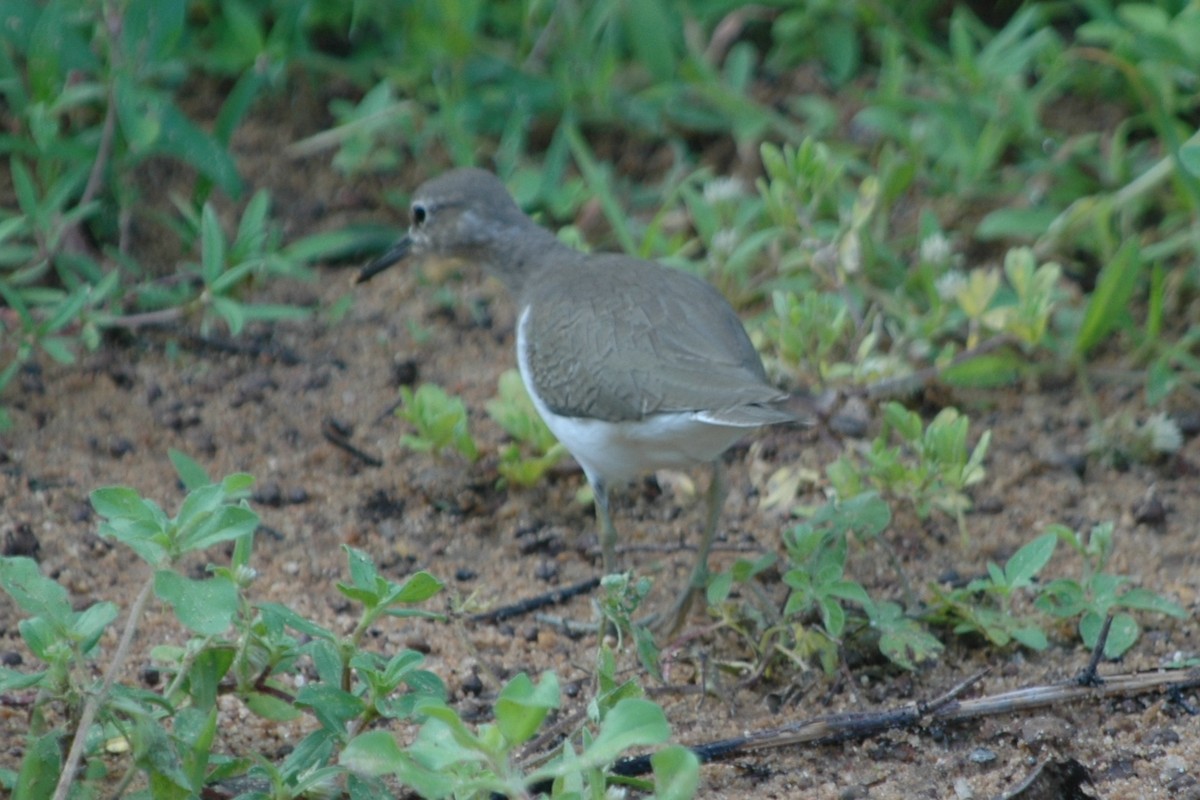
(472, 685)
(404, 372)
(22, 541)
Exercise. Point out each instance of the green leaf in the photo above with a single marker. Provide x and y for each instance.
(268, 706)
(1146, 600)
(522, 706)
(212, 245)
(652, 34)
(632, 722)
(1032, 637)
(36, 594)
(985, 372)
(376, 753)
(183, 140)
(1109, 303)
(13, 681)
(1015, 223)
(719, 587)
(362, 569)
(205, 606)
(207, 670)
(372, 753)
(150, 30)
(418, 588)
(333, 707)
(278, 613)
(40, 768)
(676, 773)
(139, 112)
(1189, 159)
(867, 514)
(60, 349)
(190, 472)
(229, 522)
(90, 623)
(1029, 560)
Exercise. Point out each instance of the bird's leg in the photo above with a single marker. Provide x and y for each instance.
(608, 532)
(718, 488)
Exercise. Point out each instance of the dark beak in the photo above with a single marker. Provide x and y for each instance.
(395, 253)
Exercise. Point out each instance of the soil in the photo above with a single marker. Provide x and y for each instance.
(111, 418)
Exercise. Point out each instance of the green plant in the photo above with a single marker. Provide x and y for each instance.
(824, 607)
(254, 651)
(973, 101)
(64, 640)
(931, 467)
(1098, 594)
(985, 605)
(448, 757)
(440, 420)
(514, 412)
(91, 90)
(1121, 439)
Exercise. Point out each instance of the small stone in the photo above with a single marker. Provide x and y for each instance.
(1045, 730)
(472, 685)
(269, 494)
(982, 755)
(546, 570)
(404, 372)
(21, 541)
(1150, 510)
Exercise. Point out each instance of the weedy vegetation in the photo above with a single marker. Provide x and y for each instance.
(942, 205)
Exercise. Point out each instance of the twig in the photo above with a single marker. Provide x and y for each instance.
(531, 604)
(335, 438)
(834, 728)
(90, 709)
(276, 352)
(1088, 676)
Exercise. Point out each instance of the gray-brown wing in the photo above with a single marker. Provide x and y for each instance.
(621, 339)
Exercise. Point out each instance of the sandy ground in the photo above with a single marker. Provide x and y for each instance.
(111, 419)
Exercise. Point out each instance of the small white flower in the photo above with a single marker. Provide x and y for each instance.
(950, 284)
(936, 249)
(720, 190)
(1165, 436)
(724, 241)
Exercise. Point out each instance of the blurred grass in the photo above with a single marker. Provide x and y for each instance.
(1070, 127)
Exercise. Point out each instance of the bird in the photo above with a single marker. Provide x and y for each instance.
(634, 366)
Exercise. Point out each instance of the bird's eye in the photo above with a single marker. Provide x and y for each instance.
(418, 214)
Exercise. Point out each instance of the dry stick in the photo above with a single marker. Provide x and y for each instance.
(337, 440)
(540, 601)
(1089, 677)
(93, 703)
(946, 708)
(271, 350)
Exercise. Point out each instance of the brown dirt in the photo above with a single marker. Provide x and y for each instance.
(111, 419)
